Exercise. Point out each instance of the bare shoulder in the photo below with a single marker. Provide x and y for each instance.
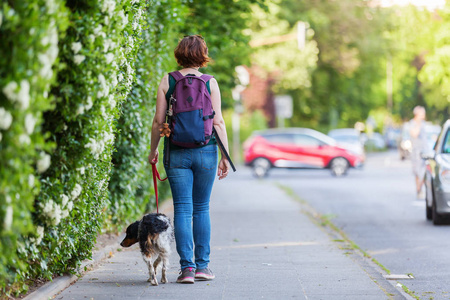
(164, 84)
(214, 84)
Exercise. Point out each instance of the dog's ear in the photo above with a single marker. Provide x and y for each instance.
(131, 235)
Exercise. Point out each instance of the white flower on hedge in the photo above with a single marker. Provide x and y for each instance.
(80, 110)
(111, 101)
(81, 170)
(98, 31)
(134, 25)
(65, 213)
(70, 205)
(48, 57)
(43, 163)
(76, 47)
(23, 97)
(89, 103)
(5, 119)
(109, 137)
(51, 6)
(108, 6)
(30, 122)
(120, 77)
(130, 45)
(134, 1)
(91, 37)
(47, 207)
(78, 59)
(129, 69)
(123, 17)
(103, 112)
(8, 218)
(109, 58)
(114, 82)
(65, 200)
(104, 89)
(31, 180)
(10, 91)
(56, 214)
(76, 192)
(52, 211)
(24, 139)
(39, 235)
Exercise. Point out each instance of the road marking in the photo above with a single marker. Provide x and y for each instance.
(284, 244)
(398, 276)
(418, 203)
(384, 251)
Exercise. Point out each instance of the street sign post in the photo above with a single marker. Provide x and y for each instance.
(283, 108)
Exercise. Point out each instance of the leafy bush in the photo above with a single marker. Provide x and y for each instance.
(29, 50)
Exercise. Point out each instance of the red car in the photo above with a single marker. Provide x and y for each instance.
(297, 148)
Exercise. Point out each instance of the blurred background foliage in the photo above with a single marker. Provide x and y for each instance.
(341, 75)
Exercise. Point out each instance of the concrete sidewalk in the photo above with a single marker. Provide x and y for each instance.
(263, 246)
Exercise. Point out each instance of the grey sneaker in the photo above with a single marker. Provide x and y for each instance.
(204, 274)
(186, 276)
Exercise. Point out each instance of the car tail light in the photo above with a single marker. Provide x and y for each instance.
(445, 175)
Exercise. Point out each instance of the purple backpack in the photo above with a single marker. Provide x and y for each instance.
(192, 113)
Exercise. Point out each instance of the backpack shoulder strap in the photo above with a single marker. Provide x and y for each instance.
(206, 77)
(177, 75)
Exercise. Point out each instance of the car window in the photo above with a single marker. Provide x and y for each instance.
(446, 145)
(280, 138)
(306, 140)
(347, 138)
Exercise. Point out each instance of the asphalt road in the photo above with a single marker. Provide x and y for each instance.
(377, 208)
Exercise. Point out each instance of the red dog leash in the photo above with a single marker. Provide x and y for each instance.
(156, 175)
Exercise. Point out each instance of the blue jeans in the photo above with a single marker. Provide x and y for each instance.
(191, 176)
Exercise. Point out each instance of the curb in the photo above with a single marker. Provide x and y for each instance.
(54, 287)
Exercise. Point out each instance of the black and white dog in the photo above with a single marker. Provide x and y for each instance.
(154, 234)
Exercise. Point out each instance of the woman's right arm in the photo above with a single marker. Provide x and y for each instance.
(219, 125)
(158, 119)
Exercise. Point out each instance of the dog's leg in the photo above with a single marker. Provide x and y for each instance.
(151, 271)
(156, 263)
(165, 264)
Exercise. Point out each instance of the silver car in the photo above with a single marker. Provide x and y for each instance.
(437, 178)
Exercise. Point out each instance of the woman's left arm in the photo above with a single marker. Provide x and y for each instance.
(219, 125)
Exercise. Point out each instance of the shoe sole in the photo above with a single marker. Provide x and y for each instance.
(186, 280)
(204, 277)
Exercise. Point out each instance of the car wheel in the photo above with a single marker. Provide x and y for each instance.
(261, 167)
(339, 166)
(437, 218)
(428, 199)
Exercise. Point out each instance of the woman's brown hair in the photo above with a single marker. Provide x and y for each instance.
(192, 52)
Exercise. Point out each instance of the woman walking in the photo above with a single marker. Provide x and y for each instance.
(191, 171)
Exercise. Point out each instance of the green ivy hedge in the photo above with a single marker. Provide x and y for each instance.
(29, 53)
(131, 185)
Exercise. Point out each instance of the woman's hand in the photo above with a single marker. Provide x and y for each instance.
(224, 167)
(153, 157)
